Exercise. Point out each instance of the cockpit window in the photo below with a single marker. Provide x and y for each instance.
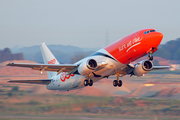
(146, 32)
(152, 31)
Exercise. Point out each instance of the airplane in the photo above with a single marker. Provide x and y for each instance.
(115, 59)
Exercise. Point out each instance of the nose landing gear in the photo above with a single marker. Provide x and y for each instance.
(150, 57)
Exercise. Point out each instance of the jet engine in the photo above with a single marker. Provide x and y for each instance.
(87, 67)
(143, 67)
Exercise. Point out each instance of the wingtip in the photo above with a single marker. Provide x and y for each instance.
(8, 64)
(9, 81)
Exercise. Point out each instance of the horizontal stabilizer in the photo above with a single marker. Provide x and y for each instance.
(44, 81)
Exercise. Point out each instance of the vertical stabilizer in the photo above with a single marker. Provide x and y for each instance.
(48, 58)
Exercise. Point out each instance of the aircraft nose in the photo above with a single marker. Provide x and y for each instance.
(160, 35)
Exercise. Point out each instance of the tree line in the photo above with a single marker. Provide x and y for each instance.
(169, 50)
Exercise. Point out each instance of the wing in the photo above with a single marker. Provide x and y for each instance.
(44, 81)
(160, 67)
(154, 67)
(128, 69)
(48, 67)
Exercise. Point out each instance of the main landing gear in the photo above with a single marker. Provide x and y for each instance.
(88, 82)
(117, 82)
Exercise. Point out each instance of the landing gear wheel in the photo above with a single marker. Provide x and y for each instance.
(119, 83)
(115, 83)
(86, 83)
(90, 83)
(150, 58)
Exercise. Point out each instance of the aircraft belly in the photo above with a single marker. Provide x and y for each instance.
(110, 68)
(71, 83)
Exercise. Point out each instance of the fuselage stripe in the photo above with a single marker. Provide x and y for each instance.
(103, 54)
(133, 46)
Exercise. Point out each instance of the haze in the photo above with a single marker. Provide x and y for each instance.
(84, 23)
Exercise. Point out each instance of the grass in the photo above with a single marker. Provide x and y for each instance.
(75, 117)
(53, 105)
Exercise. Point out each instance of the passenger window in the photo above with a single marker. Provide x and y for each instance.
(146, 32)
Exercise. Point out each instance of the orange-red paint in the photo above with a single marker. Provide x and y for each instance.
(134, 46)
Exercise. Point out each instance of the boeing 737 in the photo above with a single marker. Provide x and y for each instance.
(115, 59)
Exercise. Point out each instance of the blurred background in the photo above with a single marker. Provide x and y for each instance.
(73, 30)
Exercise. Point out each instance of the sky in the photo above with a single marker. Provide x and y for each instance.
(84, 23)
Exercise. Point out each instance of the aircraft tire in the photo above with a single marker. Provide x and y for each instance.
(86, 83)
(115, 83)
(150, 58)
(91, 83)
(119, 83)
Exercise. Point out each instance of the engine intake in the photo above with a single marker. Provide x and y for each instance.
(92, 64)
(87, 67)
(143, 67)
(147, 65)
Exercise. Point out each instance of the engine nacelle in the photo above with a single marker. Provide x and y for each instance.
(87, 67)
(143, 67)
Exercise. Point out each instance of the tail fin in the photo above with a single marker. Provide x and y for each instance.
(48, 58)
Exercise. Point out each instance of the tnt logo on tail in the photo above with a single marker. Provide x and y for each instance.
(53, 61)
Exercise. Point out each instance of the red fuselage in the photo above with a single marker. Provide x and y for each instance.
(135, 45)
